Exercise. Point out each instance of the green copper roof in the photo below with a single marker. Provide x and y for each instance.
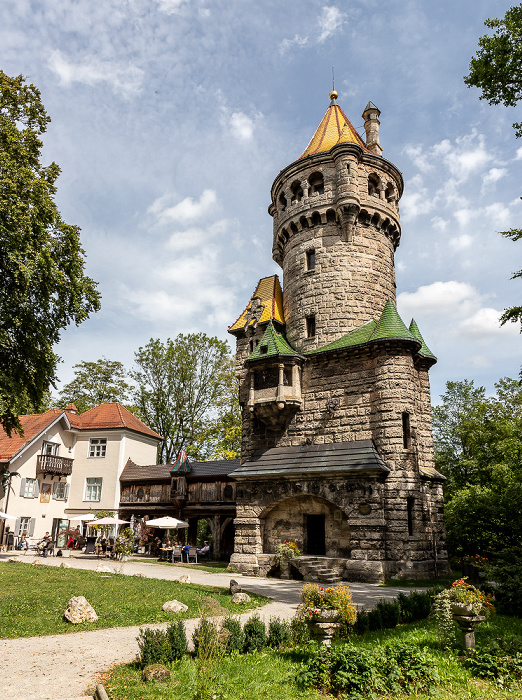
(359, 336)
(272, 344)
(414, 330)
(391, 325)
(182, 464)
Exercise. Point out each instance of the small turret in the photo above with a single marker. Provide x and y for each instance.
(371, 126)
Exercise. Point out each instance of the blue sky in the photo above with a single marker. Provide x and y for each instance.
(171, 119)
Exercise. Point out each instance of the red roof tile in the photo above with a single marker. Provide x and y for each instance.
(33, 425)
(105, 416)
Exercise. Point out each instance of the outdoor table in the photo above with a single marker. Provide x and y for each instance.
(164, 553)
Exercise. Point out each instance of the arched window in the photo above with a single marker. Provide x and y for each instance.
(389, 193)
(374, 186)
(282, 201)
(297, 192)
(316, 183)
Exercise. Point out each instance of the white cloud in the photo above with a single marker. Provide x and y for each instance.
(242, 126)
(464, 216)
(491, 177)
(484, 324)
(185, 211)
(287, 44)
(461, 242)
(419, 158)
(330, 21)
(171, 6)
(519, 153)
(448, 298)
(196, 237)
(125, 80)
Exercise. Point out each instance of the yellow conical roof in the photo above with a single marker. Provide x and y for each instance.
(334, 128)
(266, 304)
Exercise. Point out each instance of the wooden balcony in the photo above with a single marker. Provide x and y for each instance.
(53, 466)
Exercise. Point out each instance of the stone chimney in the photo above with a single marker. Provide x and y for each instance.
(371, 126)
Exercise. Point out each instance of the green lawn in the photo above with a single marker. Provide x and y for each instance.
(33, 599)
(213, 567)
(270, 674)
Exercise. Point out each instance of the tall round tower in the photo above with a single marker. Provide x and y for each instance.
(336, 228)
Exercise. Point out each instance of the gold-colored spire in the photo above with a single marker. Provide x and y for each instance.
(335, 127)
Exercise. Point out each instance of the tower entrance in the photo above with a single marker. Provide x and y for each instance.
(315, 535)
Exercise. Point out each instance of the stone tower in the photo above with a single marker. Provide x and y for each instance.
(337, 447)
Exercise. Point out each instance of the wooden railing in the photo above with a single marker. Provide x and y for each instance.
(51, 464)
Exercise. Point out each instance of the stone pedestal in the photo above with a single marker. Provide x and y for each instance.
(468, 625)
(324, 631)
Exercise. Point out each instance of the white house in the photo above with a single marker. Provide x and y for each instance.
(69, 464)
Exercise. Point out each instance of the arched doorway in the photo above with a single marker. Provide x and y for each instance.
(318, 526)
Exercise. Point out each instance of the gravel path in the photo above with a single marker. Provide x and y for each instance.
(66, 667)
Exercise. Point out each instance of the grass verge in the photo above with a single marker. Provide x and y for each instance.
(269, 673)
(213, 567)
(33, 599)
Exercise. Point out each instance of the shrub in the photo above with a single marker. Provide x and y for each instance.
(177, 640)
(255, 634)
(299, 631)
(206, 639)
(153, 647)
(374, 620)
(499, 661)
(508, 575)
(415, 606)
(235, 640)
(390, 613)
(362, 624)
(278, 633)
(356, 672)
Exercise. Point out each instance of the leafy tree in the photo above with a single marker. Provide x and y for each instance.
(96, 382)
(44, 288)
(497, 67)
(497, 71)
(223, 437)
(181, 390)
(478, 445)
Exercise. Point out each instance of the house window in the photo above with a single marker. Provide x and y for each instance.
(93, 488)
(310, 259)
(50, 448)
(29, 490)
(23, 526)
(59, 490)
(97, 447)
(310, 326)
(410, 502)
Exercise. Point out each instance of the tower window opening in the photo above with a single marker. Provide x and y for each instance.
(282, 201)
(406, 431)
(389, 193)
(310, 326)
(310, 259)
(316, 182)
(410, 503)
(297, 192)
(374, 185)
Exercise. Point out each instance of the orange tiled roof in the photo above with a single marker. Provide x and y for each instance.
(266, 304)
(33, 425)
(110, 415)
(334, 128)
(104, 416)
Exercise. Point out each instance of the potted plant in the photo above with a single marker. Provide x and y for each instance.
(466, 599)
(284, 552)
(327, 604)
(124, 544)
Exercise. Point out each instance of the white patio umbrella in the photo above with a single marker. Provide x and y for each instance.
(84, 516)
(4, 516)
(167, 522)
(108, 521)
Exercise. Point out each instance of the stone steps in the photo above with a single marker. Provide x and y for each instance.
(313, 569)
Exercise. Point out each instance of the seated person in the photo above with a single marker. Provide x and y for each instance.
(43, 545)
(23, 543)
(204, 551)
(185, 551)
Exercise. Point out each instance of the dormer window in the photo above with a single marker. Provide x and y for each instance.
(263, 350)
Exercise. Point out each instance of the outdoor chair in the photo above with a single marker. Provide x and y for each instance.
(192, 555)
(176, 554)
(48, 549)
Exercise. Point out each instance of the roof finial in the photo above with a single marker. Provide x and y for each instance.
(333, 95)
